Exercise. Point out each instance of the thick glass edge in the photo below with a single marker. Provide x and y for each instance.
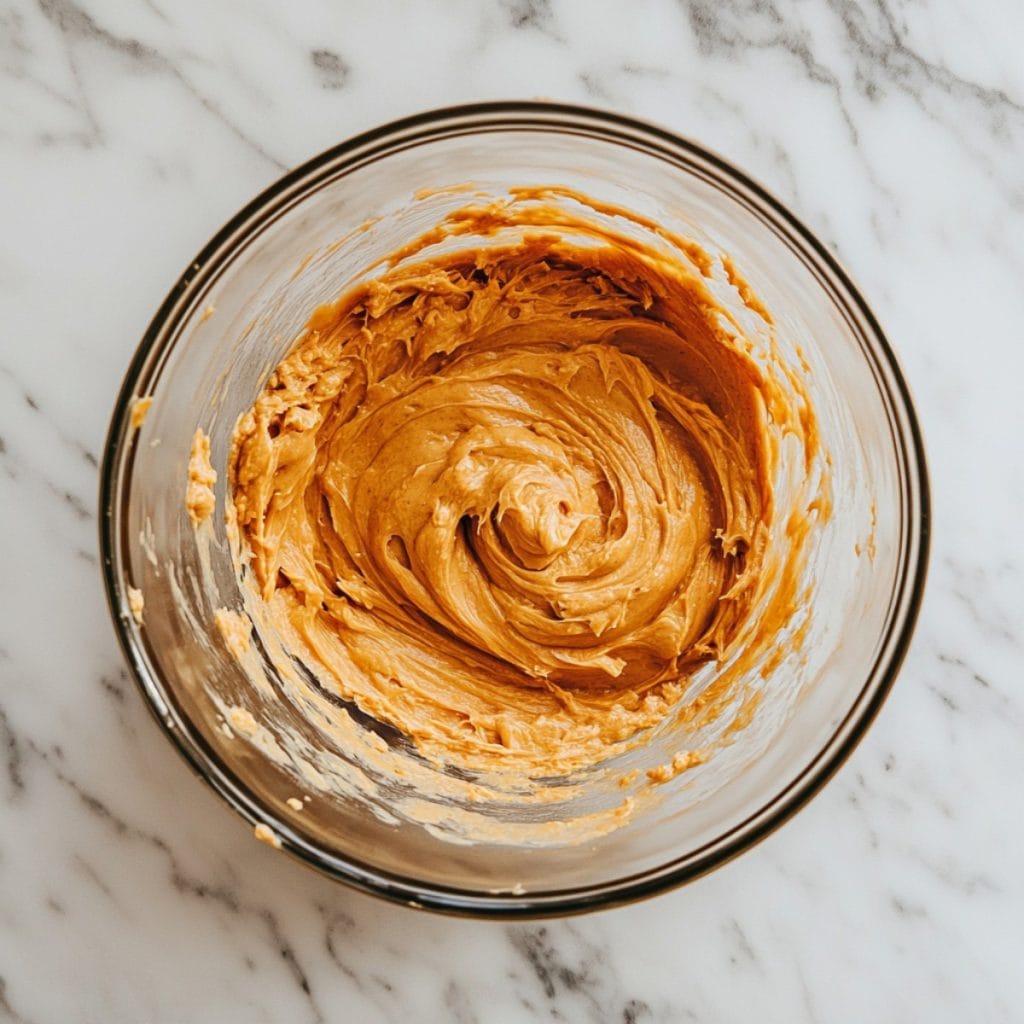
(507, 116)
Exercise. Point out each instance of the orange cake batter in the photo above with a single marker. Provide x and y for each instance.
(509, 497)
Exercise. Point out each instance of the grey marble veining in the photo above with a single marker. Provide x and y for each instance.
(128, 133)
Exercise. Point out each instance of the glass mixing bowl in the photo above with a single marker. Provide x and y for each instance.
(235, 312)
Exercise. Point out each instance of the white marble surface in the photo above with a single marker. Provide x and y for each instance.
(130, 131)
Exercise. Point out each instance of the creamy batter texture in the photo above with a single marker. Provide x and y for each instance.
(510, 497)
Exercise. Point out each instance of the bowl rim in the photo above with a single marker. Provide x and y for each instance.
(688, 156)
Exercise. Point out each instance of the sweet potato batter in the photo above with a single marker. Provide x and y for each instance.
(511, 497)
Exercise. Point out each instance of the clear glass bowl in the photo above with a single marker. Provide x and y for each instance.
(205, 369)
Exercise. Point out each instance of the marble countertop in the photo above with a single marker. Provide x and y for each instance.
(130, 132)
